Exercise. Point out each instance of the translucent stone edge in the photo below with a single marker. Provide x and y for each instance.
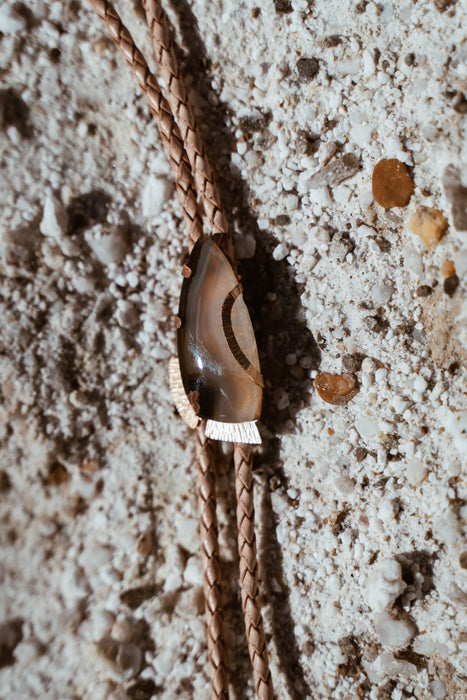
(246, 433)
(179, 397)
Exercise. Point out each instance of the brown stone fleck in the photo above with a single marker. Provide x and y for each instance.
(57, 475)
(145, 544)
(450, 284)
(5, 482)
(336, 389)
(392, 183)
(448, 268)
(424, 290)
(360, 454)
(429, 224)
(90, 466)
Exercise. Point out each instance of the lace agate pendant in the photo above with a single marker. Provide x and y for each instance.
(216, 375)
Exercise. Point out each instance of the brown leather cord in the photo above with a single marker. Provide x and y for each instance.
(160, 108)
(186, 153)
(178, 100)
(249, 572)
(181, 109)
(212, 576)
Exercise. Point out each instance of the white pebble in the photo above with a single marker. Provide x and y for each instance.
(54, 218)
(193, 574)
(387, 510)
(381, 293)
(381, 375)
(109, 246)
(456, 424)
(420, 384)
(368, 366)
(366, 427)
(366, 198)
(320, 197)
(10, 21)
(122, 630)
(157, 191)
(416, 471)
(291, 202)
(187, 533)
(242, 148)
(280, 252)
(386, 665)
(413, 261)
(126, 314)
(102, 622)
(460, 262)
(438, 689)
(344, 484)
(385, 585)
(395, 634)
(447, 529)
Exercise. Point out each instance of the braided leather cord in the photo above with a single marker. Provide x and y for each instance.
(249, 572)
(163, 113)
(181, 109)
(181, 165)
(212, 576)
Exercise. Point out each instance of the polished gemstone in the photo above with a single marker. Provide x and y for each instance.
(217, 350)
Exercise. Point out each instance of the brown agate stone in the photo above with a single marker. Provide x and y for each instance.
(217, 349)
(337, 389)
(392, 184)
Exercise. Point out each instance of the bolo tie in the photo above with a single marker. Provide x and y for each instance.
(215, 378)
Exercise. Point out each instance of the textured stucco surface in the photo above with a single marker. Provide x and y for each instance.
(361, 508)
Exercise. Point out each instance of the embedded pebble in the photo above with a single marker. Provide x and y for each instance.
(450, 285)
(429, 224)
(280, 252)
(420, 384)
(416, 471)
(381, 293)
(392, 184)
(424, 290)
(438, 689)
(456, 194)
(54, 218)
(110, 246)
(340, 247)
(385, 665)
(336, 171)
(395, 634)
(306, 69)
(157, 191)
(336, 389)
(448, 268)
(10, 21)
(129, 658)
(366, 427)
(460, 261)
(187, 533)
(385, 585)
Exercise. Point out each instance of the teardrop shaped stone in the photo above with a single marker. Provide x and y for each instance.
(217, 350)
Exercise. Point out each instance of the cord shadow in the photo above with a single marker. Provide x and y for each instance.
(273, 298)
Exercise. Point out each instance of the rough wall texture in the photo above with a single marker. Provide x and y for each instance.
(361, 507)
